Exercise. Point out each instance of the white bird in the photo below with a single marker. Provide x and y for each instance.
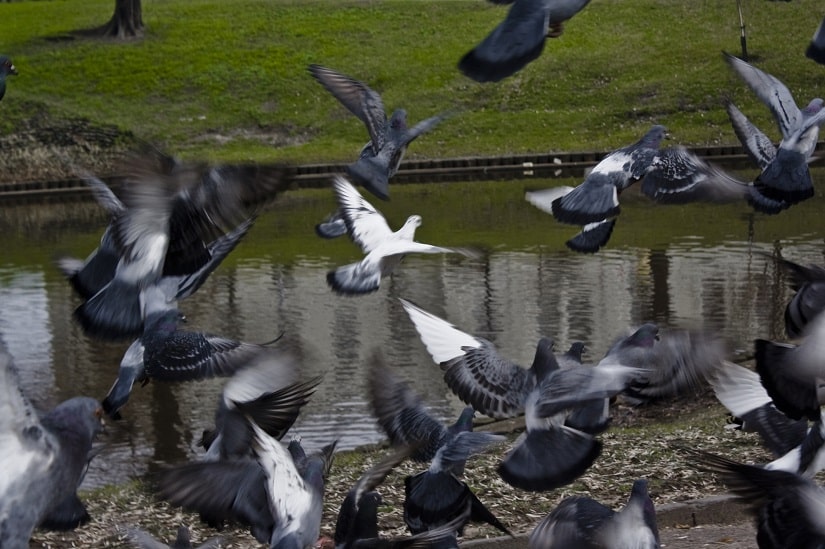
(384, 248)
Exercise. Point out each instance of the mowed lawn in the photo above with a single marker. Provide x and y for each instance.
(228, 80)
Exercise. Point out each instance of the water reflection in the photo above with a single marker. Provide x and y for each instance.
(676, 266)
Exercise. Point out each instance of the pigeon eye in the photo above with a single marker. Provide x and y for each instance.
(99, 413)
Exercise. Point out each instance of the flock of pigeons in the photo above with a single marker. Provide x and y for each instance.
(172, 223)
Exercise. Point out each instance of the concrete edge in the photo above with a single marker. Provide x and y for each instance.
(717, 510)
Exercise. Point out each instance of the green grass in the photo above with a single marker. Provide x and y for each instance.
(227, 80)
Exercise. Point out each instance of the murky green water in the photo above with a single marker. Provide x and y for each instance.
(676, 265)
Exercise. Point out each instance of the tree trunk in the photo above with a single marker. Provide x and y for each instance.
(126, 22)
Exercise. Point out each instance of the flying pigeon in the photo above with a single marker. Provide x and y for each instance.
(788, 507)
(672, 175)
(272, 396)
(144, 540)
(172, 211)
(91, 275)
(437, 495)
(785, 178)
(519, 39)
(277, 495)
(740, 390)
(381, 156)
(6, 68)
(675, 361)
(558, 446)
(43, 459)
(384, 249)
(816, 48)
(165, 353)
(808, 281)
(583, 522)
(792, 373)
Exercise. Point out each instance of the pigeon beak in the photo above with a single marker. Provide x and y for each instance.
(12, 70)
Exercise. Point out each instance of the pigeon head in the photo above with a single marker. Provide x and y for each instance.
(654, 136)
(464, 421)
(82, 416)
(813, 107)
(408, 230)
(576, 350)
(545, 361)
(398, 120)
(6, 66)
(646, 336)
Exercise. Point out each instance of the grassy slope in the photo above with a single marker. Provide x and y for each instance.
(227, 79)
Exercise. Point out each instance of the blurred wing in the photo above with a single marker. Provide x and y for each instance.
(677, 176)
(758, 146)
(772, 92)
(359, 99)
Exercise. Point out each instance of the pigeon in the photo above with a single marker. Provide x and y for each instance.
(437, 495)
(332, 227)
(808, 281)
(791, 373)
(43, 459)
(740, 390)
(674, 361)
(554, 450)
(171, 212)
(277, 495)
(144, 540)
(272, 397)
(6, 68)
(785, 178)
(672, 175)
(519, 39)
(381, 156)
(788, 507)
(816, 48)
(584, 523)
(384, 249)
(405, 421)
(166, 353)
(91, 275)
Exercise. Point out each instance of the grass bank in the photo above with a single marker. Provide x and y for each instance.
(227, 80)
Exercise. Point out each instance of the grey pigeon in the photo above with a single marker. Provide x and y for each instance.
(6, 68)
(676, 361)
(671, 176)
(332, 227)
(558, 446)
(816, 47)
(740, 391)
(277, 493)
(808, 301)
(166, 353)
(91, 275)
(172, 211)
(381, 156)
(272, 396)
(384, 248)
(437, 495)
(405, 421)
(584, 523)
(788, 508)
(792, 373)
(43, 459)
(144, 540)
(519, 39)
(785, 178)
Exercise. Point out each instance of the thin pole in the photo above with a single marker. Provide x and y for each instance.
(743, 40)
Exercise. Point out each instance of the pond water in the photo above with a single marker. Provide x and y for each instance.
(675, 265)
